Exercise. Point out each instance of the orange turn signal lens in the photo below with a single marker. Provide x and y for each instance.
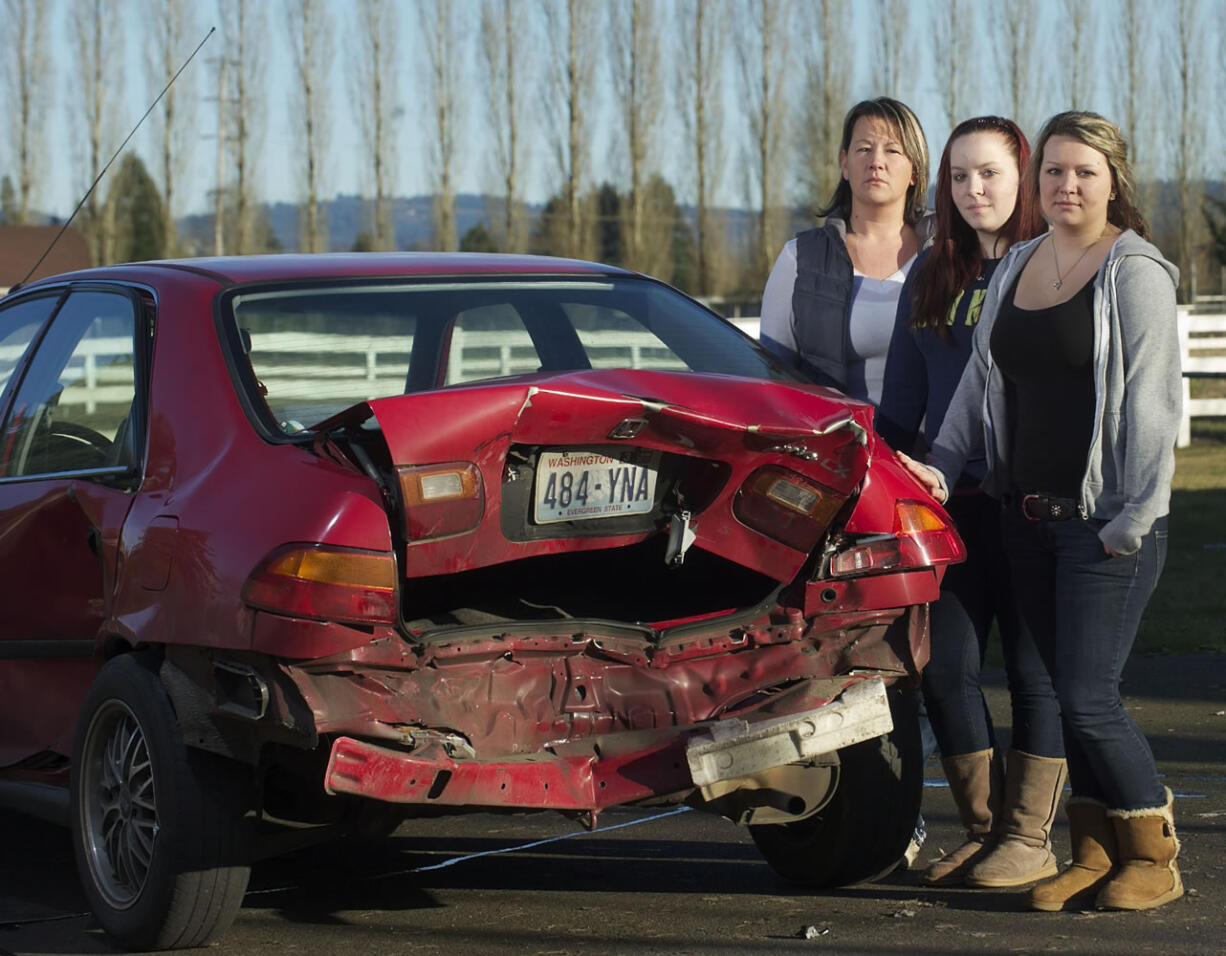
(329, 584)
(926, 535)
(923, 537)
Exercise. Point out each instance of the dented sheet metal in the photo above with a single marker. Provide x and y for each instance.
(726, 750)
(737, 425)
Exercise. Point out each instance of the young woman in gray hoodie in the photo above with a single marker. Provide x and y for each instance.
(1073, 395)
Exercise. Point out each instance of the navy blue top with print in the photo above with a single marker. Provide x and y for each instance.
(923, 368)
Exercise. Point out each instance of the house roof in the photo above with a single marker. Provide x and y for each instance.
(21, 246)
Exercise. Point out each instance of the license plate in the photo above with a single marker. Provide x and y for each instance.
(577, 485)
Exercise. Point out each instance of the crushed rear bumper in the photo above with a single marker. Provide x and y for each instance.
(669, 761)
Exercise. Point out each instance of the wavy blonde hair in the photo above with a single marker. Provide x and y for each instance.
(1102, 135)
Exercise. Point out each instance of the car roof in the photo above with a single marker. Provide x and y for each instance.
(231, 270)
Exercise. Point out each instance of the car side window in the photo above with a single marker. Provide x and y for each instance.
(315, 353)
(489, 342)
(72, 408)
(18, 326)
(615, 339)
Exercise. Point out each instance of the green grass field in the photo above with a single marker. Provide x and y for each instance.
(1187, 613)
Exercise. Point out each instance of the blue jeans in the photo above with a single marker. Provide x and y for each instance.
(1083, 608)
(973, 594)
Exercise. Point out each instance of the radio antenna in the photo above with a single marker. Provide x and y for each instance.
(98, 178)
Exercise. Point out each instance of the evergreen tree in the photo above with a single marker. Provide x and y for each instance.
(478, 239)
(8, 202)
(1217, 228)
(609, 247)
(136, 204)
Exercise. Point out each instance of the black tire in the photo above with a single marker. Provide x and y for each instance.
(157, 826)
(861, 834)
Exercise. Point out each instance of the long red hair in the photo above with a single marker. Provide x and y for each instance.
(956, 258)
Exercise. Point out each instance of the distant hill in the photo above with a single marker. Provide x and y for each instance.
(348, 216)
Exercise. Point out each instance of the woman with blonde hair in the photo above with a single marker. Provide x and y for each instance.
(1073, 394)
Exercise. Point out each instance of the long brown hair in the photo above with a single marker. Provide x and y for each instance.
(899, 117)
(956, 259)
(1101, 134)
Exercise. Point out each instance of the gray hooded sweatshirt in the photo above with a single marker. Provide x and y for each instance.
(1137, 388)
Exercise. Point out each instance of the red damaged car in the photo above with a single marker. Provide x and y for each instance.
(312, 543)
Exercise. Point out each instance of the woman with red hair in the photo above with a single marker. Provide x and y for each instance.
(980, 213)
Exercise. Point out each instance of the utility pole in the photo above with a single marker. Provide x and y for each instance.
(219, 197)
(219, 209)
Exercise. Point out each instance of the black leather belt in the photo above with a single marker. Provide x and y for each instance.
(1048, 508)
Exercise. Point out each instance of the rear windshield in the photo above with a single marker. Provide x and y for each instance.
(309, 353)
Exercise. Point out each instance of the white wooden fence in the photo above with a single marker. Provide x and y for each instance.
(478, 355)
(1203, 340)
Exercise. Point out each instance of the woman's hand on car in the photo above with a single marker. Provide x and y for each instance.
(925, 476)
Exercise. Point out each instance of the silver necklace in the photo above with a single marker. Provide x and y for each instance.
(1056, 259)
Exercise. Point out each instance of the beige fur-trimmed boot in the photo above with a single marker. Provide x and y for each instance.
(975, 780)
(1022, 853)
(1094, 856)
(1147, 875)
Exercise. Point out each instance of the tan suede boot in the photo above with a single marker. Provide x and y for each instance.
(1147, 875)
(1022, 853)
(1094, 856)
(975, 782)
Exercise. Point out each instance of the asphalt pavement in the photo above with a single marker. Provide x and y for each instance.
(659, 880)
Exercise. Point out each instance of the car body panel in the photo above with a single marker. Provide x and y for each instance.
(742, 424)
(575, 699)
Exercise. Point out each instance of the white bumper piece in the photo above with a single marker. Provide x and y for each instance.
(738, 748)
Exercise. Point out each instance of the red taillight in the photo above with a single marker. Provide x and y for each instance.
(441, 500)
(867, 556)
(327, 584)
(923, 537)
(786, 506)
(926, 535)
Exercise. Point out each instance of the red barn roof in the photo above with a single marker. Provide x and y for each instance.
(20, 247)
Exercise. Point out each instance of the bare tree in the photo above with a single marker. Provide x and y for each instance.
(893, 19)
(376, 58)
(639, 90)
(97, 31)
(27, 79)
(1186, 61)
(570, 83)
(1077, 15)
(504, 47)
(1135, 107)
(763, 56)
(170, 22)
(310, 33)
(1016, 55)
(222, 100)
(954, 29)
(826, 99)
(441, 33)
(704, 24)
(244, 23)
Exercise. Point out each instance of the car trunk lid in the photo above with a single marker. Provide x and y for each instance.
(702, 436)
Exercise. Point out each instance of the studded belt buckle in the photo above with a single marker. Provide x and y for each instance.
(1045, 508)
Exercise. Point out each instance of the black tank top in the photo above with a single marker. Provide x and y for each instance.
(1047, 359)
